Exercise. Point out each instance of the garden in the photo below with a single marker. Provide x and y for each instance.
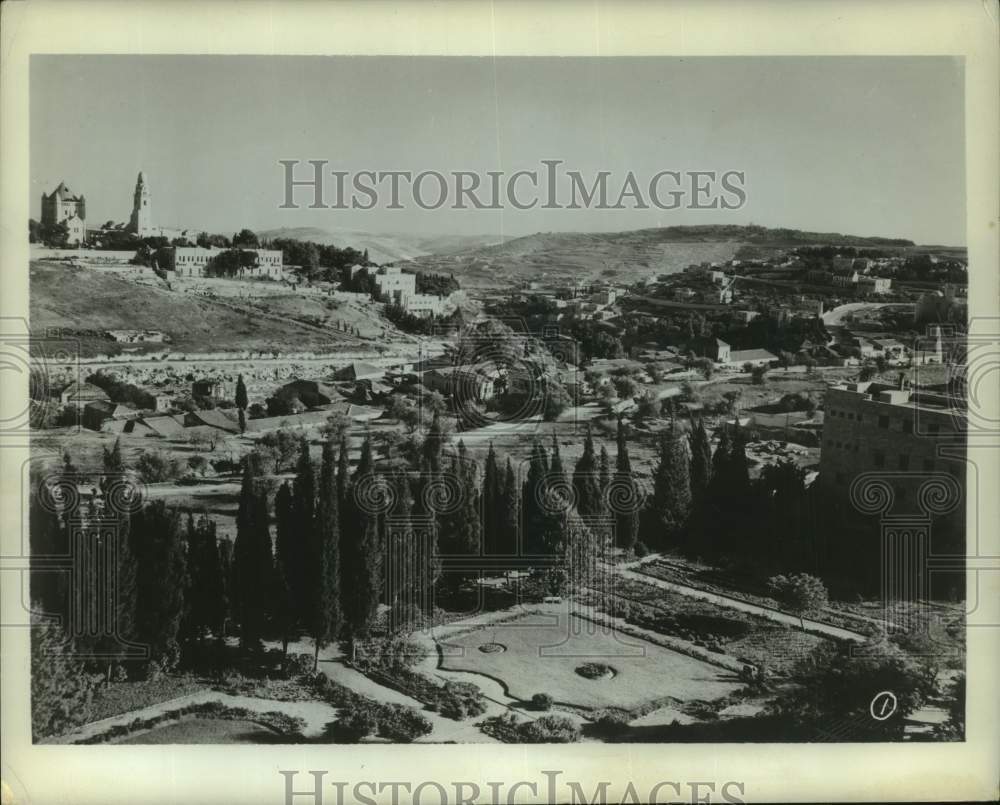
(582, 664)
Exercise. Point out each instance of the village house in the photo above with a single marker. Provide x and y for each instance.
(845, 277)
(100, 414)
(359, 371)
(213, 388)
(79, 394)
(468, 383)
(211, 418)
(755, 357)
(874, 285)
(714, 348)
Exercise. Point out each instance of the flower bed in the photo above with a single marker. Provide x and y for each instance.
(286, 726)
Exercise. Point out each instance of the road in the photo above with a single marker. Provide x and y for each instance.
(835, 317)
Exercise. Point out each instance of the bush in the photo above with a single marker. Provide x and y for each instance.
(402, 724)
(297, 665)
(155, 467)
(353, 724)
(550, 730)
(542, 701)
(594, 670)
(613, 720)
(460, 700)
(641, 549)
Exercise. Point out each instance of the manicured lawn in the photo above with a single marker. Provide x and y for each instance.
(543, 653)
(206, 731)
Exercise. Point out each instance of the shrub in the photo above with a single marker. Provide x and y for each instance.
(460, 700)
(542, 701)
(594, 670)
(612, 720)
(297, 665)
(155, 467)
(641, 549)
(550, 730)
(402, 724)
(353, 723)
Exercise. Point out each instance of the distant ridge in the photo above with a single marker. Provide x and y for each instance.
(382, 247)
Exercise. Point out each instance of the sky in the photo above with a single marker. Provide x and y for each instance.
(857, 145)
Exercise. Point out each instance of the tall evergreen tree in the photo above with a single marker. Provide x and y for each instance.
(532, 500)
(604, 477)
(161, 581)
(666, 513)
(510, 512)
(586, 481)
(343, 480)
(701, 461)
(241, 394)
(361, 553)
(304, 519)
(433, 444)
(492, 502)
(468, 530)
(205, 599)
(285, 562)
(627, 513)
(557, 473)
(252, 559)
(325, 613)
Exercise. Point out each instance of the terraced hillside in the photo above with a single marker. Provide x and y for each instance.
(620, 256)
(88, 299)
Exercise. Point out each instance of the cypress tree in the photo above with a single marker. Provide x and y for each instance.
(241, 394)
(557, 474)
(492, 503)
(326, 617)
(667, 512)
(468, 525)
(252, 558)
(284, 562)
(701, 461)
(343, 480)
(205, 599)
(361, 555)
(586, 481)
(532, 496)
(627, 514)
(161, 581)
(304, 518)
(509, 515)
(604, 477)
(433, 444)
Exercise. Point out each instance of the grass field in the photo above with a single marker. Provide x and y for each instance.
(206, 731)
(542, 656)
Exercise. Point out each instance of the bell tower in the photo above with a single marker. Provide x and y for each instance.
(141, 221)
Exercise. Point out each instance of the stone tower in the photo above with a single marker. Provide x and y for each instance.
(141, 221)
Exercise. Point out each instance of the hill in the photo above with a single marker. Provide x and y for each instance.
(382, 247)
(623, 256)
(92, 299)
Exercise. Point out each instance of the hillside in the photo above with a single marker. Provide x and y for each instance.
(64, 296)
(622, 256)
(382, 247)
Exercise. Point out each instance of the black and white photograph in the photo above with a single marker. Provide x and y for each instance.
(511, 399)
